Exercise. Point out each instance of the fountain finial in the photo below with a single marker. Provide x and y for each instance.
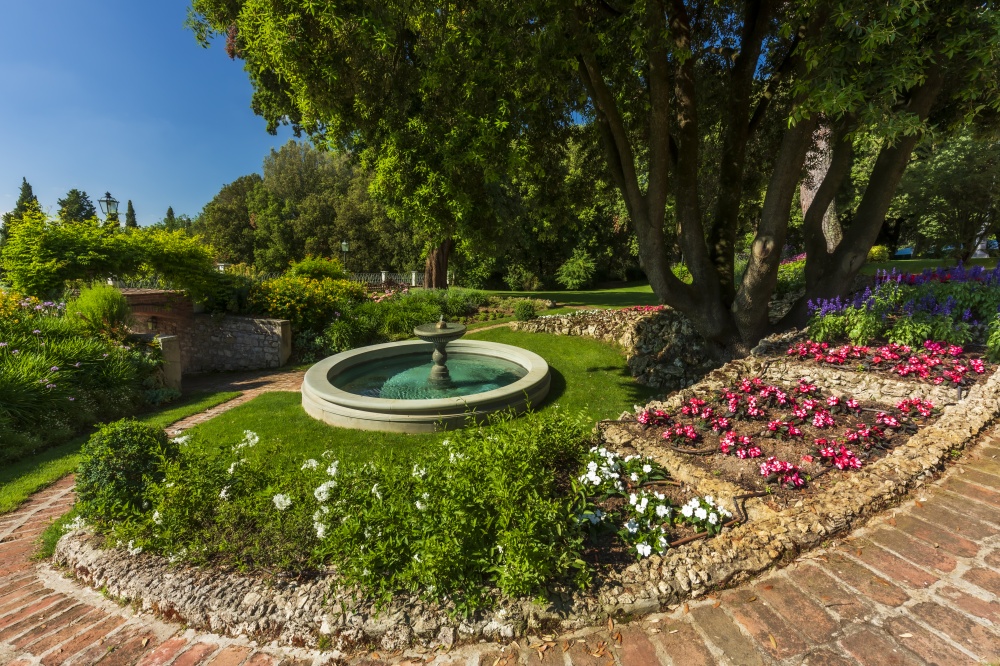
(441, 323)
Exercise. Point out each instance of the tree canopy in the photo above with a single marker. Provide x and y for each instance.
(26, 200)
(76, 206)
(705, 112)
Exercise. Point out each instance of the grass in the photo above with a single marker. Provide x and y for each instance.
(918, 265)
(619, 297)
(587, 375)
(23, 478)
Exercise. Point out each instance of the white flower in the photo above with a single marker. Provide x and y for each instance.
(78, 523)
(643, 549)
(687, 510)
(310, 464)
(634, 477)
(592, 466)
(633, 498)
(332, 469)
(709, 500)
(224, 493)
(320, 530)
(320, 512)
(375, 491)
(322, 492)
(713, 518)
(700, 513)
(236, 463)
(425, 496)
(157, 518)
(646, 469)
(446, 442)
(419, 472)
(181, 440)
(662, 510)
(416, 556)
(662, 543)
(133, 549)
(169, 485)
(282, 502)
(420, 505)
(250, 438)
(632, 526)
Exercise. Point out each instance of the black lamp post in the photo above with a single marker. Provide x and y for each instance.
(109, 206)
(345, 247)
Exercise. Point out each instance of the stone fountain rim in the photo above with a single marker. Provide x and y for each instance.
(316, 383)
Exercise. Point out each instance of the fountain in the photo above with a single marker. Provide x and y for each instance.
(436, 382)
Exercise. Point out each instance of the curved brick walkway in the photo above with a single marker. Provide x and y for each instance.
(919, 585)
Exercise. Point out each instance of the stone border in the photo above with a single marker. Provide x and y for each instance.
(300, 612)
(326, 402)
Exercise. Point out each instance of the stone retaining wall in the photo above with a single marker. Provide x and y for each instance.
(210, 343)
(663, 349)
(300, 612)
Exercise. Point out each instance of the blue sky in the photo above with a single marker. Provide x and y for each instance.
(118, 96)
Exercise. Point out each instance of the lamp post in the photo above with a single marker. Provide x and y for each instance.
(109, 206)
(345, 247)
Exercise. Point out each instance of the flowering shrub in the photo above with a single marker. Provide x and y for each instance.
(310, 304)
(56, 378)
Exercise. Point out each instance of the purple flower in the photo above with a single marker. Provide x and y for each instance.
(71, 399)
(50, 386)
(54, 368)
(36, 331)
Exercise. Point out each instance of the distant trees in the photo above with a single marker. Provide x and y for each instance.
(130, 221)
(26, 201)
(76, 206)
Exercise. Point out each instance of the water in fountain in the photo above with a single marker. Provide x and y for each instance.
(406, 377)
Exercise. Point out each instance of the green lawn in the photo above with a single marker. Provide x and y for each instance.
(586, 375)
(918, 265)
(619, 297)
(20, 480)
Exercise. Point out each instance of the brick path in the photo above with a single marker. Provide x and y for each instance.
(251, 384)
(919, 585)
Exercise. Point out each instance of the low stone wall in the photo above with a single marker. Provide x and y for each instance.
(664, 351)
(300, 612)
(210, 343)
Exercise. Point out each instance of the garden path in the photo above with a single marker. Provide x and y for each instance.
(251, 383)
(918, 585)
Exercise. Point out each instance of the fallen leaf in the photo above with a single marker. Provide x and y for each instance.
(376, 655)
(774, 643)
(919, 504)
(618, 637)
(611, 624)
(906, 635)
(858, 551)
(686, 609)
(145, 642)
(892, 521)
(768, 587)
(496, 662)
(674, 631)
(753, 598)
(565, 646)
(716, 604)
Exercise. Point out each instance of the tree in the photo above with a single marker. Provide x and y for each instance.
(950, 196)
(76, 206)
(693, 101)
(170, 222)
(26, 201)
(130, 221)
(226, 221)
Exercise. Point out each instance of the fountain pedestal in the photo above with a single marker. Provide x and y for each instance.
(439, 335)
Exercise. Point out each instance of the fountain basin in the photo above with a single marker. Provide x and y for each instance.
(325, 393)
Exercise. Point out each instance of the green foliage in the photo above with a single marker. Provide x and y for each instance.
(577, 272)
(76, 206)
(318, 268)
(130, 220)
(791, 277)
(308, 303)
(878, 254)
(519, 278)
(682, 273)
(26, 201)
(524, 310)
(119, 463)
(102, 310)
(993, 340)
(486, 510)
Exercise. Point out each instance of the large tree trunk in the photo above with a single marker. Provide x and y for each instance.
(818, 161)
(436, 267)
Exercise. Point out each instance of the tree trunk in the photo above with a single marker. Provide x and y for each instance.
(818, 161)
(436, 267)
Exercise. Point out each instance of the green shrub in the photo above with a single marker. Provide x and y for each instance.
(791, 277)
(102, 310)
(524, 310)
(318, 268)
(682, 273)
(878, 254)
(519, 278)
(119, 463)
(487, 510)
(993, 339)
(578, 271)
(308, 303)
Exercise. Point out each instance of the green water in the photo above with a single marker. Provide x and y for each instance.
(405, 377)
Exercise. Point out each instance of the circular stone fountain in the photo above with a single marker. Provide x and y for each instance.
(434, 383)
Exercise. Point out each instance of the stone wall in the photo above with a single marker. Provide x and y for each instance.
(210, 343)
(663, 349)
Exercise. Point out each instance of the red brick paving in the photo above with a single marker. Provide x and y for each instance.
(919, 589)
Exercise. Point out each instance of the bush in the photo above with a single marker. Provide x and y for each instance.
(524, 310)
(102, 310)
(791, 277)
(878, 254)
(578, 271)
(120, 462)
(682, 273)
(318, 268)
(308, 303)
(519, 278)
(488, 510)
